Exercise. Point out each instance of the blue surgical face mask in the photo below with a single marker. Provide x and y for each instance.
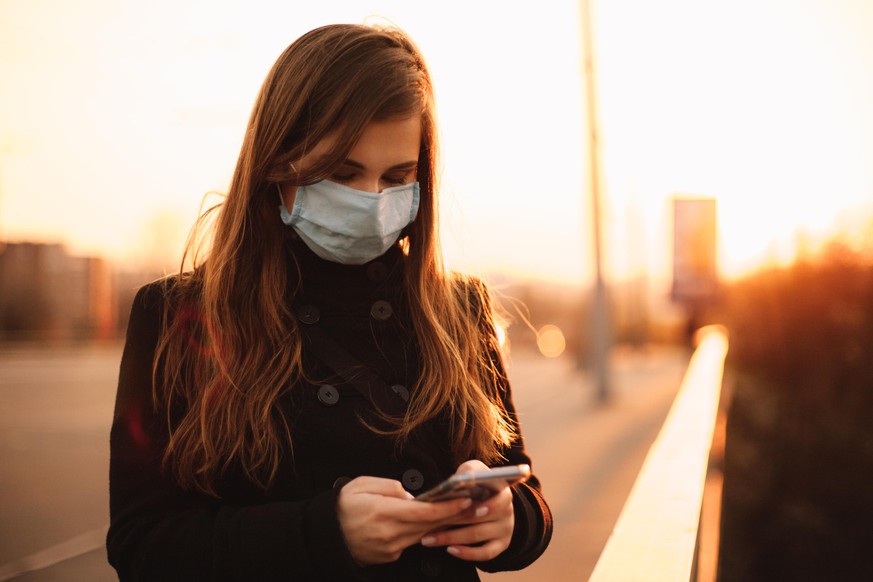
(348, 226)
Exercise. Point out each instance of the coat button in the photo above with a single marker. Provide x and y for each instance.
(308, 314)
(328, 395)
(341, 482)
(401, 391)
(431, 567)
(381, 310)
(377, 272)
(412, 479)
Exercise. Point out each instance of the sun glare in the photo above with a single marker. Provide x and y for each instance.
(764, 106)
(780, 133)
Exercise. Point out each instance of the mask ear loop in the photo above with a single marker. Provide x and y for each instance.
(279, 186)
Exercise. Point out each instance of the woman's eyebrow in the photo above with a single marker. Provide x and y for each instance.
(402, 166)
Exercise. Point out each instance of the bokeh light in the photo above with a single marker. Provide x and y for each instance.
(550, 341)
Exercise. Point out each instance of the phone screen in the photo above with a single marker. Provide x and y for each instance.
(477, 485)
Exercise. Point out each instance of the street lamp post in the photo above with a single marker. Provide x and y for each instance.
(600, 309)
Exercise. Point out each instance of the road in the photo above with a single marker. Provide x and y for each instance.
(56, 409)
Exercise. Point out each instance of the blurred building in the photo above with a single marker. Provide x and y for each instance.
(46, 294)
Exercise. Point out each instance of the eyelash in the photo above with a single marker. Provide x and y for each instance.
(343, 178)
(396, 181)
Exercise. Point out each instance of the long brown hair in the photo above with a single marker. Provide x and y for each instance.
(231, 347)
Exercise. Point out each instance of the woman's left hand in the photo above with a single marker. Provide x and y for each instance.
(481, 532)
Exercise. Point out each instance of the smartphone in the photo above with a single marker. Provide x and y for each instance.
(477, 485)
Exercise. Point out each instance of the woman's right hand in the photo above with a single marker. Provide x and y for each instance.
(379, 519)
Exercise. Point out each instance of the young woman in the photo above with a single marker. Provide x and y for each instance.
(280, 405)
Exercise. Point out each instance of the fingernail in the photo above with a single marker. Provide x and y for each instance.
(466, 503)
(409, 495)
(428, 541)
(453, 550)
(481, 511)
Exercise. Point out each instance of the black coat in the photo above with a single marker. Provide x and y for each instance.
(290, 531)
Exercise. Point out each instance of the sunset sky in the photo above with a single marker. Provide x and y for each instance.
(117, 117)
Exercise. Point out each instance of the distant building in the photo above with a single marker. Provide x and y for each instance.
(47, 294)
(695, 261)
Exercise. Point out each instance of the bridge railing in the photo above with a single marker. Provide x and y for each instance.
(657, 535)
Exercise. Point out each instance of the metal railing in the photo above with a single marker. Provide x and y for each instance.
(657, 535)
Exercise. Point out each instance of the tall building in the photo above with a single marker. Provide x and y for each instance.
(47, 294)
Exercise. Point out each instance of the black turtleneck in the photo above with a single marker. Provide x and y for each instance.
(363, 308)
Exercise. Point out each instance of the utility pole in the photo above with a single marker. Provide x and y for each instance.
(600, 331)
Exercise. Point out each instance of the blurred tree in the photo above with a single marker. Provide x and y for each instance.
(799, 453)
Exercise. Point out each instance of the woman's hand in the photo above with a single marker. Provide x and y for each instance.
(379, 519)
(482, 532)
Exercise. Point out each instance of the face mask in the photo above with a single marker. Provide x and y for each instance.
(348, 226)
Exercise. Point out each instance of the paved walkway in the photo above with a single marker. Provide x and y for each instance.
(55, 410)
(586, 454)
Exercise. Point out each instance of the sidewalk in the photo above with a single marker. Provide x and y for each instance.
(587, 456)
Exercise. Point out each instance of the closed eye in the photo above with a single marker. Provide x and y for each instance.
(396, 175)
(343, 177)
(397, 180)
